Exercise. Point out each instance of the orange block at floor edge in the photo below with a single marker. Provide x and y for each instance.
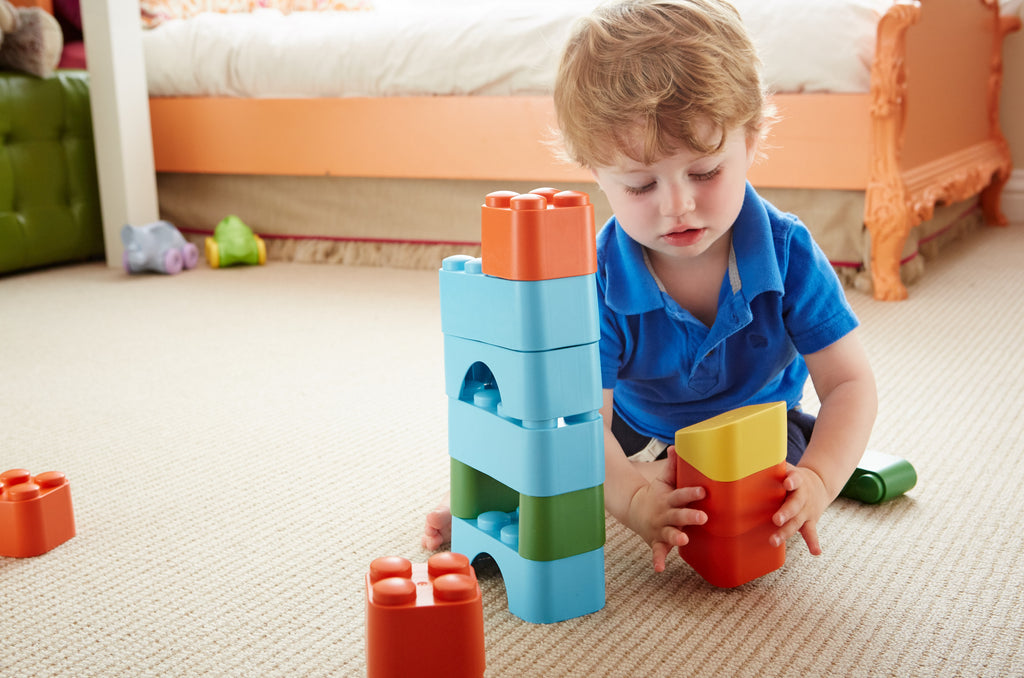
(35, 513)
(425, 619)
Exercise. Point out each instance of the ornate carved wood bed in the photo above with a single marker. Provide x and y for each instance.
(926, 134)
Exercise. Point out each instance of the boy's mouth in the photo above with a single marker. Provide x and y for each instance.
(683, 237)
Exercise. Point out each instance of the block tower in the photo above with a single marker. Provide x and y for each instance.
(739, 458)
(522, 375)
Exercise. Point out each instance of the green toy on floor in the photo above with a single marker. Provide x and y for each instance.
(879, 477)
(234, 243)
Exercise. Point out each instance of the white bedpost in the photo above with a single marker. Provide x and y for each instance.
(120, 118)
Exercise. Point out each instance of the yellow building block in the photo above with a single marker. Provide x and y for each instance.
(737, 443)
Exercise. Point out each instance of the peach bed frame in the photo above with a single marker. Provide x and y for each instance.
(926, 134)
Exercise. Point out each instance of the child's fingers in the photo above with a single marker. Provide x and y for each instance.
(810, 534)
(673, 536)
(792, 480)
(791, 508)
(668, 475)
(686, 495)
(659, 551)
(687, 516)
(787, 518)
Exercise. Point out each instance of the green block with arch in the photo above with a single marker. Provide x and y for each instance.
(550, 528)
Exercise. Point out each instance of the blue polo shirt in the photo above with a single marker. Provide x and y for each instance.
(780, 299)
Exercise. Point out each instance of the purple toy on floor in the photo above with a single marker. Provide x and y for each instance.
(159, 247)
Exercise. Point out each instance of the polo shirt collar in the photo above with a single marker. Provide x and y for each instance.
(754, 248)
(631, 289)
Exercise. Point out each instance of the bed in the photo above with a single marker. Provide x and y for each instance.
(884, 143)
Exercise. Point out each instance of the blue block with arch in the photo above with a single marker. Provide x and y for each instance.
(540, 592)
(535, 386)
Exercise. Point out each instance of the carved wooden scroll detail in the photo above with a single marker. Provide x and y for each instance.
(886, 212)
(897, 200)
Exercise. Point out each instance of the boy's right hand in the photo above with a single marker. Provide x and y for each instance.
(658, 512)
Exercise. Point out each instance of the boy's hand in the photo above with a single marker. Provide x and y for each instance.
(658, 512)
(806, 500)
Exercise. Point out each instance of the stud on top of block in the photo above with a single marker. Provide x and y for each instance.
(540, 235)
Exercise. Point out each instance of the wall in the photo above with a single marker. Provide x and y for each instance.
(1012, 118)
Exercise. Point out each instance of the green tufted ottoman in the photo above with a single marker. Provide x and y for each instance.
(49, 196)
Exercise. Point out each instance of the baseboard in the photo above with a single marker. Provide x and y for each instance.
(1012, 200)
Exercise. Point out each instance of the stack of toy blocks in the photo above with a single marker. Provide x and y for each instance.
(739, 458)
(35, 513)
(522, 375)
(424, 620)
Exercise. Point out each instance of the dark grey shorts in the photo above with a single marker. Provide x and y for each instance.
(644, 448)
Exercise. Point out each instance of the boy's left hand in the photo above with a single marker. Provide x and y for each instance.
(806, 500)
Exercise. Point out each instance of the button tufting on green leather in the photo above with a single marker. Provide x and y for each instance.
(49, 195)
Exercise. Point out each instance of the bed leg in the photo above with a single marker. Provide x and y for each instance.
(888, 222)
(991, 200)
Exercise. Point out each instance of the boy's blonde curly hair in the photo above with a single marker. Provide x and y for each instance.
(645, 78)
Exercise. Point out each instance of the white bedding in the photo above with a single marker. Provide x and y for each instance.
(459, 47)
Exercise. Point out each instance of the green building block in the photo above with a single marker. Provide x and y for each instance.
(879, 477)
(550, 528)
(475, 492)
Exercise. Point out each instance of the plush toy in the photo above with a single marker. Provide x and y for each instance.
(31, 40)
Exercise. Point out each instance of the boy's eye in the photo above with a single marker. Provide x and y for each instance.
(706, 176)
(632, 190)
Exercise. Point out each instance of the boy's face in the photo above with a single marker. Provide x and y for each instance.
(684, 203)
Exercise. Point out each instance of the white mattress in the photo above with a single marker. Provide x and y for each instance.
(460, 47)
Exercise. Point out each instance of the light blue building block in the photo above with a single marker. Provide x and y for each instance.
(540, 592)
(522, 315)
(535, 386)
(538, 462)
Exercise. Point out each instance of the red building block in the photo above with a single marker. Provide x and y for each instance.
(736, 506)
(732, 548)
(424, 620)
(727, 562)
(540, 235)
(739, 458)
(35, 513)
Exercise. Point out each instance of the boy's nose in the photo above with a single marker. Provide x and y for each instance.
(678, 200)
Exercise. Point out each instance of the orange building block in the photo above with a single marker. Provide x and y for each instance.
(35, 513)
(424, 620)
(540, 235)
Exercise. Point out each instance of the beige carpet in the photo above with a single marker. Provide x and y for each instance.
(241, 444)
